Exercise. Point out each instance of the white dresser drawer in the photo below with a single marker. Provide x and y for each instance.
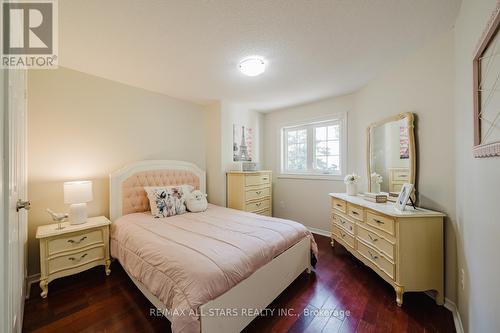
(343, 236)
(76, 259)
(381, 222)
(257, 179)
(257, 205)
(265, 212)
(74, 241)
(377, 259)
(401, 175)
(258, 193)
(339, 205)
(356, 212)
(343, 222)
(377, 241)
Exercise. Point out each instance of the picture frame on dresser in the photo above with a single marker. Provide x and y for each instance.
(403, 197)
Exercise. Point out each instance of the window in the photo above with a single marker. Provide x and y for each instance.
(313, 148)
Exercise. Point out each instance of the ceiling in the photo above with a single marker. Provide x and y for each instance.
(189, 49)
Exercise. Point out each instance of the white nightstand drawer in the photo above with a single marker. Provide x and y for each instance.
(75, 241)
(69, 261)
(72, 249)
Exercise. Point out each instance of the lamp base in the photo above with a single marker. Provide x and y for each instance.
(78, 213)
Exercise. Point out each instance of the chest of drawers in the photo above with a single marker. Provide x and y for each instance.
(250, 191)
(404, 248)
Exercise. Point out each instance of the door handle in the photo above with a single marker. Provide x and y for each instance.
(20, 204)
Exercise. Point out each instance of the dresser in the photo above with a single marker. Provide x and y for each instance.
(250, 191)
(73, 249)
(397, 177)
(404, 248)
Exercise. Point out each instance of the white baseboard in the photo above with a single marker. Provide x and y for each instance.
(450, 305)
(319, 232)
(35, 278)
(456, 315)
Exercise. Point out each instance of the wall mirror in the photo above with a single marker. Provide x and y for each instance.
(391, 153)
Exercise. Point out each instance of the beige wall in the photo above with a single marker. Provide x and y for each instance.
(84, 127)
(478, 187)
(305, 201)
(422, 84)
(220, 118)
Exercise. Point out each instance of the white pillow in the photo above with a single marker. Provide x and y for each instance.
(166, 201)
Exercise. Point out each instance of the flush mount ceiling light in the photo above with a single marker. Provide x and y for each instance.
(252, 66)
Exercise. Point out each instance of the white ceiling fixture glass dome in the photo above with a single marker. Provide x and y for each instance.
(252, 66)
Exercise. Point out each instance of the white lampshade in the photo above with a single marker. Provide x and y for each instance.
(77, 192)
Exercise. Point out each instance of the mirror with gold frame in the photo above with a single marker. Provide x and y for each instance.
(391, 153)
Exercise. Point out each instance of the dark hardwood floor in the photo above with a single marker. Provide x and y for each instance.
(350, 296)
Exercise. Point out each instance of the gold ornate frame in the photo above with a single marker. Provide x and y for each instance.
(412, 148)
(490, 149)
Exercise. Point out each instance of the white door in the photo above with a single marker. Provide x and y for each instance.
(16, 167)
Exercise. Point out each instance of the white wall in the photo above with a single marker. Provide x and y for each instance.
(423, 84)
(215, 175)
(219, 130)
(84, 127)
(305, 201)
(478, 187)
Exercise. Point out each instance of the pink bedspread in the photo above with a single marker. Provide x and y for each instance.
(188, 260)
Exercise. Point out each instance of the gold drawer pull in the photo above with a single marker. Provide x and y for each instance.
(378, 221)
(373, 256)
(372, 238)
(258, 204)
(77, 242)
(265, 178)
(355, 213)
(77, 259)
(403, 176)
(338, 205)
(258, 192)
(342, 234)
(342, 221)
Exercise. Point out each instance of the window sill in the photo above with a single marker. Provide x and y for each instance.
(311, 176)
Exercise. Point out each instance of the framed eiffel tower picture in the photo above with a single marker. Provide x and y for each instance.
(242, 143)
(486, 71)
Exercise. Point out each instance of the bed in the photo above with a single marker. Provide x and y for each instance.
(202, 270)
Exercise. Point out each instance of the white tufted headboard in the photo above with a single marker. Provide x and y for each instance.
(126, 186)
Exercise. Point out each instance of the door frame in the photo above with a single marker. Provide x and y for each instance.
(4, 241)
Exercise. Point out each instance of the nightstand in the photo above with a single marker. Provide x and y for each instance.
(73, 249)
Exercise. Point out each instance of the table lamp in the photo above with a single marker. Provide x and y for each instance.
(78, 194)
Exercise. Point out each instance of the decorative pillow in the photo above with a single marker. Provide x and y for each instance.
(169, 200)
(197, 202)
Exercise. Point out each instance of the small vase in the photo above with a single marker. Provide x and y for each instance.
(352, 188)
(376, 188)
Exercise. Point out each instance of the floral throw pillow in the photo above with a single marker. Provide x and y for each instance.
(180, 193)
(168, 201)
